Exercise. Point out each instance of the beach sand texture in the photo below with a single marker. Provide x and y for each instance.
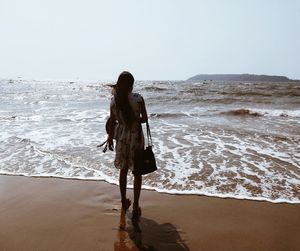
(59, 214)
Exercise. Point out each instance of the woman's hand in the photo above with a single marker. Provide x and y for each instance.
(111, 131)
(110, 143)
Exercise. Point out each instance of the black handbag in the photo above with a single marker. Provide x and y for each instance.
(144, 160)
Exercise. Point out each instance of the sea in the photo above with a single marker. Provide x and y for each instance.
(222, 139)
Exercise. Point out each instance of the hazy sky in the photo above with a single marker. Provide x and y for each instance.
(154, 39)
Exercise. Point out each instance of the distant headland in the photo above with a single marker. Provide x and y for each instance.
(240, 77)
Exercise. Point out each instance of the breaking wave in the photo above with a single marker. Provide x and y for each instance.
(263, 112)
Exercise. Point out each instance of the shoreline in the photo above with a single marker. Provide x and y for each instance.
(145, 188)
(64, 214)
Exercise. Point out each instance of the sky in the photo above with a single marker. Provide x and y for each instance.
(153, 39)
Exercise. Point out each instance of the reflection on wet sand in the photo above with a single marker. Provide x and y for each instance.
(147, 234)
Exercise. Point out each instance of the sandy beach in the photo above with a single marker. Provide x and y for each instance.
(61, 214)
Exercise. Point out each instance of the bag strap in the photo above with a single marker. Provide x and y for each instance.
(149, 134)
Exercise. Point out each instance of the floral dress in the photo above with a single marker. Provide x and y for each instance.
(128, 139)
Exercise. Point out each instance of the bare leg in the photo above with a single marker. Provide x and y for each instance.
(137, 190)
(123, 183)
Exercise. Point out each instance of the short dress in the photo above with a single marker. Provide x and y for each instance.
(128, 140)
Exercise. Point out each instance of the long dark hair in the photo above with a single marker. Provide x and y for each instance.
(122, 89)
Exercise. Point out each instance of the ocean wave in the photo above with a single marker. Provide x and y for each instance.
(160, 190)
(154, 88)
(166, 115)
(171, 115)
(8, 118)
(263, 112)
(247, 93)
(242, 112)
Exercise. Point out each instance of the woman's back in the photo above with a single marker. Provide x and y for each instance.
(136, 104)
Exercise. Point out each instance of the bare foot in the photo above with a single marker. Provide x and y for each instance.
(126, 204)
(136, 214)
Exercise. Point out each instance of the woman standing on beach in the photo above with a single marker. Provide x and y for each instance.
(127, 113)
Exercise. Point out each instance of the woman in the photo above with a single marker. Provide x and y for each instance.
(129, 111)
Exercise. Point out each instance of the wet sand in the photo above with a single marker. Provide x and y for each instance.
(59, 214)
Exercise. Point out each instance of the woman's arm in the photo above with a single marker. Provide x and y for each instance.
(144, 117)
(111, 130)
